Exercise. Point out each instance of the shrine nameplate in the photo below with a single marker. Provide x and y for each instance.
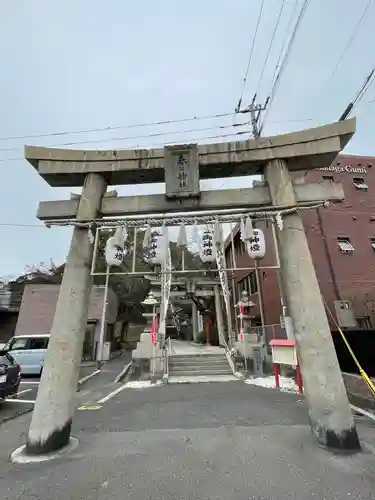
(181, 171)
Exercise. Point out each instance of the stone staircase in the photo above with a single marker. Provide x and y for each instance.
(205, 364)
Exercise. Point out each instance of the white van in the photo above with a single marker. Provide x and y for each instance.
(29, 351)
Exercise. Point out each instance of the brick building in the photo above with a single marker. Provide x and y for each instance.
(38, 309)
(342, 243)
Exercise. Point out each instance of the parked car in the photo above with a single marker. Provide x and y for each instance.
(29, 352)
(10, 375)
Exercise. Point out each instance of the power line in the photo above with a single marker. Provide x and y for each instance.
(14, 224)
(359, 96)
(346, 48)
(195, 139)
(103, 129)
(277, 66)
(270, 45)
(366, 85)
(285, 60)
(165, 133)
(250, 57)
(145, 136)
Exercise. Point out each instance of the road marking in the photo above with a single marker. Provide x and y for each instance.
(36, 382)
(88, 407)
(9, 400)
(85, 379)
(20, 392)
(111, 394)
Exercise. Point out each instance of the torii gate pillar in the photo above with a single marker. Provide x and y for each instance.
(330, 415)
(55, 404)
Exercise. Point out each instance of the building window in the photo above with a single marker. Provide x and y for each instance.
(345, 245)
(359, 183)
(373, 243)
(328, 178)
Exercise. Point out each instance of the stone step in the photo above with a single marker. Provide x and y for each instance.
(195, 361)
(191, 373)
(221, 366)
(178, 357)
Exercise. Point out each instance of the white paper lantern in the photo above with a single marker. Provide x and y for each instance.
(114, 254)
(207, 249)
(256, 246)
(158, 248)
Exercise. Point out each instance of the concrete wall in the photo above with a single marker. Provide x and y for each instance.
(39, 303)
(354, 273)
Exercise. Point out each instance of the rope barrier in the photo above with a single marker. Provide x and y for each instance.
(187, 220)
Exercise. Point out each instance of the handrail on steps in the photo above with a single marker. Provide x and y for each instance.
(167, 350)
(228, 354)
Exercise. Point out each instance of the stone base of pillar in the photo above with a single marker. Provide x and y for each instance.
(149, 357)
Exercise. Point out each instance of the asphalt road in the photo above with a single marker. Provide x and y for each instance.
(196, 441)
(17, 405)
(28, 390)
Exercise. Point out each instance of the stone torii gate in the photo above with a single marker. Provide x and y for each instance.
(181, 167)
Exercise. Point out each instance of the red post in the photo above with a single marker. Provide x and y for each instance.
(299, 379)
(276, 373)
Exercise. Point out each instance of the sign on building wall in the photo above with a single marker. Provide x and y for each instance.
(181, 171)
(336, 169)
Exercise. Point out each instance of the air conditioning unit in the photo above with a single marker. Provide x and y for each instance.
(345, 314)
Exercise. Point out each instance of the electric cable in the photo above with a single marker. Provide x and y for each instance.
(346, 49)
(195, 139)
(119, 127)
(145, 136)
(285, 61)
(277, 66)
(250, 58)
(363, 90)
(270, 46)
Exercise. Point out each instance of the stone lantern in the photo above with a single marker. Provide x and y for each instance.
(150, 302)
(148, 353)
(244, 305)
(249, 343)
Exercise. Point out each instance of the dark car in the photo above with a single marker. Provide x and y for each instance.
(10, 375)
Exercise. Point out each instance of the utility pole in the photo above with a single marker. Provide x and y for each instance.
(255, 111)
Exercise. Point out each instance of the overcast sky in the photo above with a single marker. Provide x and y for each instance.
(68, 65)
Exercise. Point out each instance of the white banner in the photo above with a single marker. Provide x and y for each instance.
(220, 261)
(166, 281)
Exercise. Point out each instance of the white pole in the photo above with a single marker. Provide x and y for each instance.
(153, 341)
(103, 319)
(242, 329)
